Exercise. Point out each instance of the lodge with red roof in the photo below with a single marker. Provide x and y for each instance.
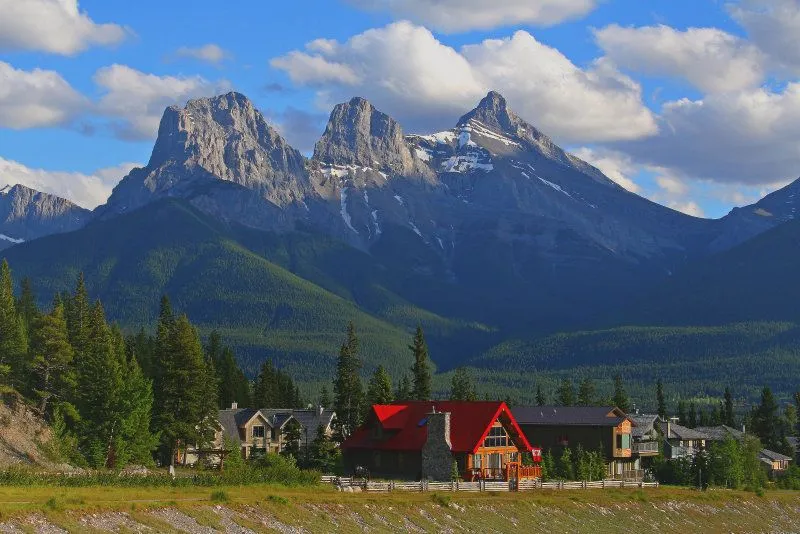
(426, 439)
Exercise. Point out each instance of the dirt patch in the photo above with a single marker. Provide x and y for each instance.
(23, 434)
(113, 522)
(180, 521)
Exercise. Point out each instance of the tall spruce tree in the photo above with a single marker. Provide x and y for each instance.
(348, 392)
(683, 417)
(692, 416)
(379, 390)
(797, 405)
(275, 389)
(586, 392)
(462, 386)
(79, 310)
(13, 339)
(325, 397)
(421, 370)
(188, 391)
(540, 398)
(51, 360)
(662, 403)
(766, 421)
(26, 305)
(620, 398)
(566, 393)
(728, 413)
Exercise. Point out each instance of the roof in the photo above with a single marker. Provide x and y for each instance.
(232, 419)
(312, 418)
(569, 415)
(406, 425)
(642, 424)
(774, 456)
(681, 432)
(720, 433)
(794, 442)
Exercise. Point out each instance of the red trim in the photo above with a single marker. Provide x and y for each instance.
(526, 447)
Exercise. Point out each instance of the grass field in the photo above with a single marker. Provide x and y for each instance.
(274, 508)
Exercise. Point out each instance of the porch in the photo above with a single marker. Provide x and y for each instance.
(512, 471)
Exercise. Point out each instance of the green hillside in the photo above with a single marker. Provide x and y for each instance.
(267, 294)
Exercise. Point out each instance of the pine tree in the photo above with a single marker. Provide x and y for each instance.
(620, 398)
(692, 421)
(420, 371)
(566, 469)
(462, 386)
(26, 305)
(324, 453)
(728, 415)
(549, 469)
(51, 360)
(540, 399)
(566, 394)
(348, 391)
(662, 403)
(586, 392)
(797, 405)
(78, 316)
(186, 411)
(291, 439)
(766, 424)
(13, 339)
(275, 389)
(137, 408)
(683, 418)
(325, 397)
(379, 390)
(403, 392)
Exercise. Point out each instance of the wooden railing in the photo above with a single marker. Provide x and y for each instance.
(483, 485)
(511, 471)
(645, 447)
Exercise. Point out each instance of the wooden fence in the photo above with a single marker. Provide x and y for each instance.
(480, 485)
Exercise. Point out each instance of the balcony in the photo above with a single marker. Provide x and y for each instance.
(522, 472)
(645, 448)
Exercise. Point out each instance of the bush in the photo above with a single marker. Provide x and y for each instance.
(441, 500)
(219, 496)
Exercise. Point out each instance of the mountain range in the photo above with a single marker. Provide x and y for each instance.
(483, 233)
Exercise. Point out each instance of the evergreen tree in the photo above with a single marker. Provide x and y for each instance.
(348, 391)
(620, 398)
(325, 397)
(27, 308)
(566, 394)
(797, 406)
(566, 469)
(462, 386)
(13, 339)
(291, 439)
(403, 392)
(379, 390)
(324, 453)
(583, 466)
(51, 360)
(275, 389)
(683, 418)
(692, 421)
(766, 422)
(549, 470)
(233, 384)
(540, 399)
(728, 415)
(78, 318)
(662, 403)
(137, 408)
(421, 371)
(586, 392)
(186, 413)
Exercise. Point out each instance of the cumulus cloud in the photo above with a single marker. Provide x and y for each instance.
(135, 101)
(708, 58)
(774, 25)
(465, 15)
(405, 71)
(748, 137)
(616, 165)
(54, 26)
(36, 98)
(210, 53)
(86, 190)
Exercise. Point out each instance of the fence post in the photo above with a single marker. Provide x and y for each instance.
(604, 484)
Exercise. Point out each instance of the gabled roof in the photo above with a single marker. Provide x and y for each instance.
(233, 419)
(312, 418)
(569, 415)
(642, 424)
(720, 432)
(774, 456)
(680, 432)
(405, 426)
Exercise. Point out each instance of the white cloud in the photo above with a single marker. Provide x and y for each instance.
(616, 165)
(774, 25)
(748, 137)
(86, 190)
(465, 15)
(36, 98)
(708, 58)
(672, 185)
(135, 100)
(210, 53)
(406, 72)
(55, 26)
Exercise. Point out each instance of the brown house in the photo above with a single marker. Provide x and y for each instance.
(606, 429)
(425, 440)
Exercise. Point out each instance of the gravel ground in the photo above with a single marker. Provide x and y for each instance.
(113, 522)
(180, 521)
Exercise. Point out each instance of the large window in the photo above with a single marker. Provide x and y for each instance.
(258, 431)
(623, 441)
(497, 437)
(477, 461)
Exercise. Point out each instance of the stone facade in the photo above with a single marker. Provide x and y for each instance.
(437, 456)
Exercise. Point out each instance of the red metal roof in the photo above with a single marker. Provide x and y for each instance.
(404, 426)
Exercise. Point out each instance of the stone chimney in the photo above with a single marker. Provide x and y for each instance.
(234, 405)
(437, 456)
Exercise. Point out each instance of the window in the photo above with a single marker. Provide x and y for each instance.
(258, 431)
(623, 441)
(513, 457)
(495, 461)
(477, 461)
(497, 437)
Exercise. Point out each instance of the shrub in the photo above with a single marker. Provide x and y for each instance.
(219, 496)
(441, 500)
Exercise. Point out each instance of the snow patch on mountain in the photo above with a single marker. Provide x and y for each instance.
(399, 199)
(11, 239)
(554, 186)
(345, 215)
(378, 230)
(466, 163)
(414, 227)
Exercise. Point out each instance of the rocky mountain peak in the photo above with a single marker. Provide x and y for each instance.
(26, 214)
(492, 111)
(358, 134)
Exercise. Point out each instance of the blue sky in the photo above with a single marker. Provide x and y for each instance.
(692, 103)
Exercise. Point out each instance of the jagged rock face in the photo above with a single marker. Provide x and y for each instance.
(26, 214)
(359, 135)
(220, 138)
